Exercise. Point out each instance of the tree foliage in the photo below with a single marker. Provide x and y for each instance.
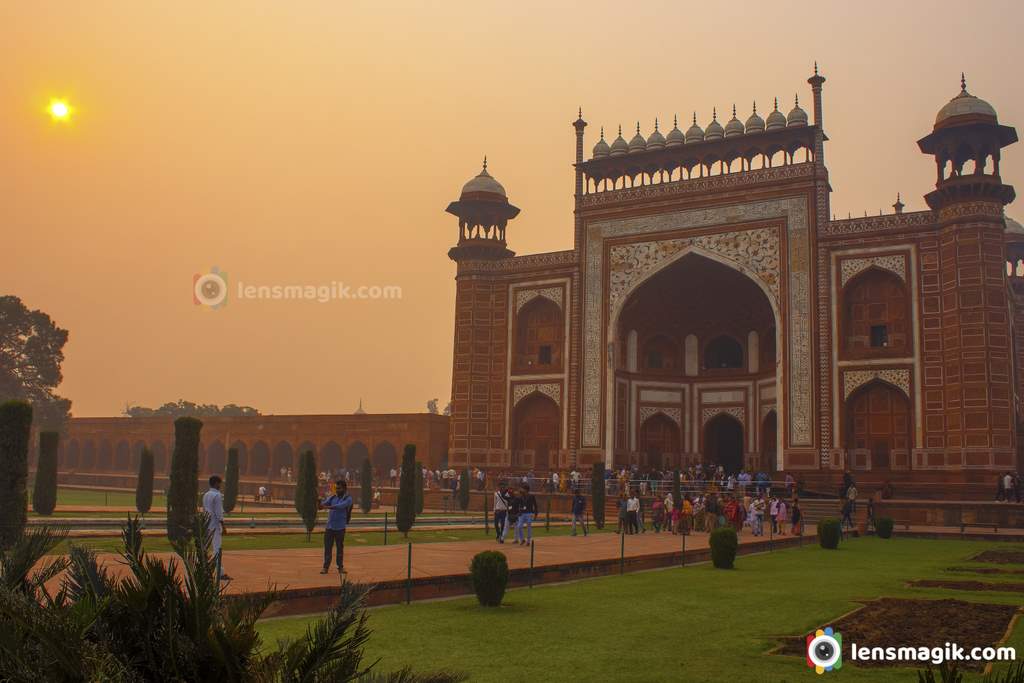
(366, 481)
(231, 481)
(405, 515)
(144, 483)
(306, 498)
(44, 492)
(183, 491)
(183, 408)
(31, 353)
(597, 490)
(465, 481)
(163, 621)
(15, 431)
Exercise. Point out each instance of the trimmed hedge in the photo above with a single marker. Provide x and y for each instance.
(231, 481)
(830, 532)
(597, 490)
(366, 488)
(144, 483)
(723, 547)
(489, 571)
(183, 491)
(44, 492)
(405, 514)
(884, 526)
(15, 434)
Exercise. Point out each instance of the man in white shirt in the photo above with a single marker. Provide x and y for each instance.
(213, 506)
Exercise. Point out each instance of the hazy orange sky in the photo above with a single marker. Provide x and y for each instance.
(316, 141)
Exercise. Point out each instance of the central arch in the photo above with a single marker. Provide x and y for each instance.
(724, 316)
(659, 437)
(723, 443)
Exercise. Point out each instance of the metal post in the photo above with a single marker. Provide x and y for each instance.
(385, 527)
(683, 561)
(408, 578)
(547, 520)
(531, 564)
(487, 527)
(771, 536)
(622, 552)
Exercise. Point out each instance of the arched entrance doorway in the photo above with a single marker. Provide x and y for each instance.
(878, 421)
(535, 430)
(330, 457)
(384, 458)
(259, 461)
(659, 436)
(216, 458)
(723, 443)
(769, 442)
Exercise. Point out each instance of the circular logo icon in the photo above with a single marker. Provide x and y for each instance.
(824, 650)
(210, 289)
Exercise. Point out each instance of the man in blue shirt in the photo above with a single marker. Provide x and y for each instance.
(339, 507)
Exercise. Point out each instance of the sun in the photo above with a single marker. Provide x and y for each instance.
(59, 110)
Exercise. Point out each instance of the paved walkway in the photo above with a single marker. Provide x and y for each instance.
(254, 570)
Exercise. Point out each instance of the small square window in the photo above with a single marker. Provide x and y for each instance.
(544, 355)
(879, 336)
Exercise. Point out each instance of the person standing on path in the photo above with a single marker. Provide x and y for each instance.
(339, 506)
(501, 501)
(579, 507)
(529, 507)
(798, 519)
(213, 506)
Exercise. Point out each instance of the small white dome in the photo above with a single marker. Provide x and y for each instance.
(714, 130)
(637, 144)
(601, 149)
(695, 133)
(483, 182)
(776, 119)
(796, 116)
(734, 127)
(657, 140)
(675, 136)
(755, 124)
(1013, 227)
(964, 104)
(619, 145)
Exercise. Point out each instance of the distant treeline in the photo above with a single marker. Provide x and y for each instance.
(183, 408)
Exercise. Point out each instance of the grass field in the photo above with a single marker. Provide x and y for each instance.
(685, 624)
(237, 539)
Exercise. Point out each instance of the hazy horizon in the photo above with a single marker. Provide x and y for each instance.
(321, 144)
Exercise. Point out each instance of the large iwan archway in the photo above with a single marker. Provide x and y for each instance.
(536, 428)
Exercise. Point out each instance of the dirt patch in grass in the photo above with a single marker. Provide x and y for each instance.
(984, 570)
(1000, 556)
(970, 585)
(914, 623)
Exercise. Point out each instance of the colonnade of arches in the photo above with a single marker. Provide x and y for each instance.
(256, 459)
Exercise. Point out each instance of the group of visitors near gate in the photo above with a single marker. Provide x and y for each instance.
(754, 509)
(1009, 487)
(515, 509)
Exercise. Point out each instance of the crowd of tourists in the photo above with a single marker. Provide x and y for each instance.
(1009, 487)
(754, 509)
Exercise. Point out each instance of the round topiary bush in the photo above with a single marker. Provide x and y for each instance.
(723, 547)
(489, 570)
(830, 531)
(883, 526)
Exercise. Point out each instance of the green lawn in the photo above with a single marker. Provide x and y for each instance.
(685, 624)
(237, 539)
(85, 497)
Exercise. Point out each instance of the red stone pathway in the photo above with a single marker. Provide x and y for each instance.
(254, 570)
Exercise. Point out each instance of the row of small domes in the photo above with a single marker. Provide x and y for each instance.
(715, 131)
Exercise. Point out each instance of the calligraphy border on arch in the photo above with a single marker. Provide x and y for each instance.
(793, 210)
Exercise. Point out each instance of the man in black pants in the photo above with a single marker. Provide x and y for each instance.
(339, 506)
(501, 502)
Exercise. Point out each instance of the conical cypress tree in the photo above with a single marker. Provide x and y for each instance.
(464, 483)
(366, 479)
(597, 487)
(305, 492)
(44, 493)
(183, 491)
(406, 513)
(144, 484)
(15, 433)
(231, 481)
(419, 488)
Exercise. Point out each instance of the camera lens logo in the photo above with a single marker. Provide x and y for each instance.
(825, 650)
(210, 289)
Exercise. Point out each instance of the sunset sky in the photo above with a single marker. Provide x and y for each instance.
(310, 142)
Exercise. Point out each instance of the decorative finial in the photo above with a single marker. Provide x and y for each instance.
(602, 132)
(776, 104)
(898, 206)
(620, 130)
(675, 120)
(815, 67)
(655, 124)
(796, 99)
(963, 82)
(714, 113)
(755, 106)
(581, 112)
(485, 162)
(734, 110)
(695, 118)
(638, 128)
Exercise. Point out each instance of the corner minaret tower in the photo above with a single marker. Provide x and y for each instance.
(976, 390)
(484, 212)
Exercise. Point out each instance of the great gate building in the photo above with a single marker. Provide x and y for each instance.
(711, 311)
